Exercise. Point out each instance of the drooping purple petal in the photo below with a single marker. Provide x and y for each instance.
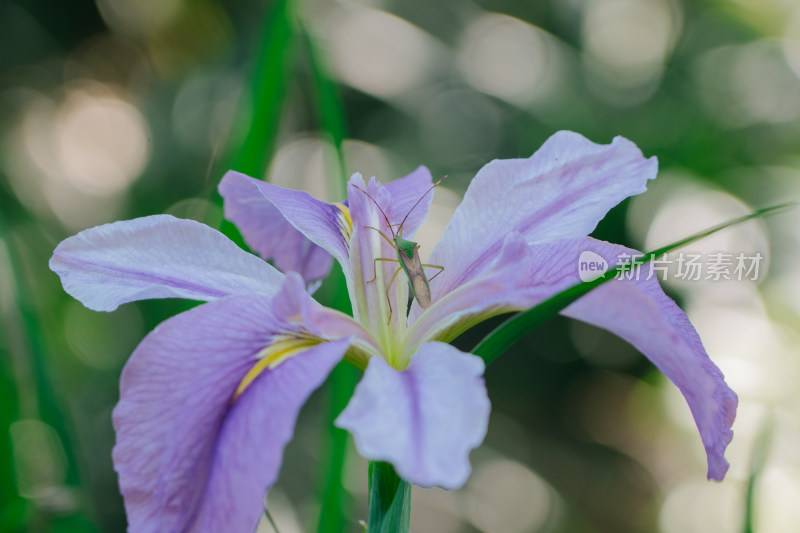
(425, 419)
(158, 256)
(562, 191)
(635, 309)
(321, 223)
(189, 457)
(639, 312)
(266, 231)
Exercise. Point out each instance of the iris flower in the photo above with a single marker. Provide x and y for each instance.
(209, 399)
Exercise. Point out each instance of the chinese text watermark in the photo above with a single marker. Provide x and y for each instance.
(681, 266)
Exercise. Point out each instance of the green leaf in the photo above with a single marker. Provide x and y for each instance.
(389, 500)
(516, 327)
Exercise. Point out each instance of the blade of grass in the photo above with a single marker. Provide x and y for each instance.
(516, 327)
(268, 84)
(330, 109)
(268, 87)
(261, 119)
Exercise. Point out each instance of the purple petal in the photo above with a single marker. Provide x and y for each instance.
(561, 191)
(188, 457)
(425, 419)
(266, 231)
(321, 223)
(640, 313)
(158, 256)
(404, 193)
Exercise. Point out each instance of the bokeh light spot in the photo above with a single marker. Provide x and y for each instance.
(508, 58)
(697, 506)
(631, 39)
(379, 53)
(504, 495)
(101, 141)
(39, 459)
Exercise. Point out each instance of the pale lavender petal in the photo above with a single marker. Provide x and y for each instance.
(640, 313)
(320, 222)
(189, 458)
(560, 192)
(266, 231)
(425, 419)
(158, 256)
(404, 193)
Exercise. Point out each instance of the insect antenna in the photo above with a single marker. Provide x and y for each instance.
(400, 229)
(388, 224)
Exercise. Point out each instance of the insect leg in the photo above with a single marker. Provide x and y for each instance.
(441, 269)
(375, 266)
(382, 235)
(388, 301)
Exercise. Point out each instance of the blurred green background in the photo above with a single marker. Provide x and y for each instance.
(116, 109)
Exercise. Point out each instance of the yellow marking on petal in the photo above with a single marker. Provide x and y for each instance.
(345, 221)
(272, 356)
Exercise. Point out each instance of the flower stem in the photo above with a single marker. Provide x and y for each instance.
(389, 500)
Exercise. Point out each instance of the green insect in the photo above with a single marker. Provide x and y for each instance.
(407, 257)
